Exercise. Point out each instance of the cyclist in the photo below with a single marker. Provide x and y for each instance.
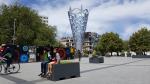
(1, 50)
(8, 54)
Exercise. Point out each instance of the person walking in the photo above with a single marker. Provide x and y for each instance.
(79, 55)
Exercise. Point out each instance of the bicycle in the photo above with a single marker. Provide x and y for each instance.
(13, 68)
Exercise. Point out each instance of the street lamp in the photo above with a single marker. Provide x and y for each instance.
(14, 31)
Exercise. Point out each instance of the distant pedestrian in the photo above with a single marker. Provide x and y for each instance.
(79, 54)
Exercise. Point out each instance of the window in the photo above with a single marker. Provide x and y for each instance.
(90, 39)
(90, 47)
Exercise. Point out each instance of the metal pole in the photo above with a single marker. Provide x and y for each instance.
(14, 31)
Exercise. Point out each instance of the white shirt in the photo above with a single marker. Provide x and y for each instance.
(57, 56)
(49, 55)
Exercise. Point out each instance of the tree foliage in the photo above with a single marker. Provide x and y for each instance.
(139, 42)
(109, 42)
(126, 45)
(29, 27)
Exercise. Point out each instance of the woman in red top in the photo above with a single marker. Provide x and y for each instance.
(55, 60)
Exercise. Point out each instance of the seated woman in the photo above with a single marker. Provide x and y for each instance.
(55, 60)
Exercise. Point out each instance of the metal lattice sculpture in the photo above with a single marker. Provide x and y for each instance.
(78, 20)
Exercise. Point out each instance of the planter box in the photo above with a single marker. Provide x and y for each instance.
(141, 56)
(65, 71)
(128, 54)
(96, 60)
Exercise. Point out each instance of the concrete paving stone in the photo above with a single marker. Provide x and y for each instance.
(114, 70)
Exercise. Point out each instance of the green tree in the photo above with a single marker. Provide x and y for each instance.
(59, 44)
(140, 41)
(126, 45)
(110, 42)
(29, 27)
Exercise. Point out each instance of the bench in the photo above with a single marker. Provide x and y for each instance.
(65, 71)
(98, 59)
(141, 56)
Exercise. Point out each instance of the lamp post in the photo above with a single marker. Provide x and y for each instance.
(14, 38)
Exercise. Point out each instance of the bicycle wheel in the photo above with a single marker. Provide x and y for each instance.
(4, 66)
(14, 68)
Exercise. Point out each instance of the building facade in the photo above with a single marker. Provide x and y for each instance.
(44, 19)
(90, 41)
(67, 41)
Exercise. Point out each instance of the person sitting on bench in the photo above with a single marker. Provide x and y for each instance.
(47, 59)
(55, 60)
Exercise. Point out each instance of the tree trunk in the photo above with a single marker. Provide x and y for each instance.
(117, 53)
(111, 53)
(144, 53)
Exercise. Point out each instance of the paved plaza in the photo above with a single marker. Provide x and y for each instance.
(115, 70)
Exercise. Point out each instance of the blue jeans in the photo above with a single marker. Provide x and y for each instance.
(44, 67)
(8, 61)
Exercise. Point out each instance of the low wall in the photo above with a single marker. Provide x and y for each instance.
(65, 71)
(141, 56)
(96, 59)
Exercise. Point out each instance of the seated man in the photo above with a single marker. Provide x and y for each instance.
(47, 59)
(55, 60)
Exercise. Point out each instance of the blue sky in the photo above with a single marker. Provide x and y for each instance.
(121, 16)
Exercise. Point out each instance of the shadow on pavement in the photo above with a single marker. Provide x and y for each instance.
(16, 80)
(85, 71)
(8, 73)
(22, 81)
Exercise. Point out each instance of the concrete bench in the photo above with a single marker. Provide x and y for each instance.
(141, 56)
(96, 59)
(65, 71)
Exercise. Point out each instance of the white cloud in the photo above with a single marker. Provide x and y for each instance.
(102, 15)
(130, 29)
(102, 18)
(3, 2)
(121, 11)
(6, 2)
